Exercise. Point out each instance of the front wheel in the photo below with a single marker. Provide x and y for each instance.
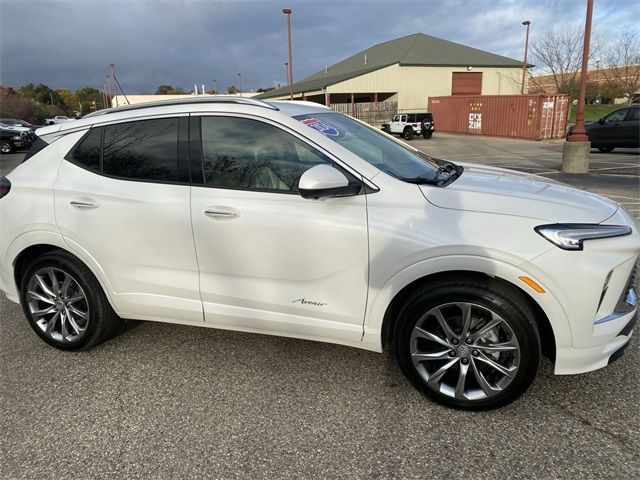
(468, 343)
(408, 133)
(65, 304)
(6, 147)
(386, 129)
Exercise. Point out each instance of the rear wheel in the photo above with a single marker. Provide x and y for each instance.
(64, 303)
(468, 343)
(408, 133)
(606, 149)
(426, 136)
(6, 147)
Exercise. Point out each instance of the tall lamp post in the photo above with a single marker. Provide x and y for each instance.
(287, 12)
(575, 158)
(526, 48)
(240, 83)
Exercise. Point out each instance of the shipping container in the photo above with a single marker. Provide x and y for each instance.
(532, 117)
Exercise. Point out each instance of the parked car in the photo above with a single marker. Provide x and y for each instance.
(11, 140)
(57, 119)
(288, 218)
(619, 129)
(409, 124)
(14, 122)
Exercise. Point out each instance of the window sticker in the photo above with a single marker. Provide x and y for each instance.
(322, 127)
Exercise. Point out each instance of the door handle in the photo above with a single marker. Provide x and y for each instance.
(84, 204)
(221, 212)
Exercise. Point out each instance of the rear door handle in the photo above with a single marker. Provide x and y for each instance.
(84, 204)
(221, 212)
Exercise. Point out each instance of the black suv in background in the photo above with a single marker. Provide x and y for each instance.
(619, 129)
(409, 124)
(10, 141)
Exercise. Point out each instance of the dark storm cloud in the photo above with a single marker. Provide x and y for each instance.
(67, 43)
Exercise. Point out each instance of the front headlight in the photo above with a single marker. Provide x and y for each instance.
(16, 138)
(569, 236)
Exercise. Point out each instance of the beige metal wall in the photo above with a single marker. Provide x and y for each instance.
(416, 84)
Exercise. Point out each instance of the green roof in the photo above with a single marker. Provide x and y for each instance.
(417, 49)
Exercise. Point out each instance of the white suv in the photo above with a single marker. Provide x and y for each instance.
(287, 218)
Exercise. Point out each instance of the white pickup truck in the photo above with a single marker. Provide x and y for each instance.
(57, 119)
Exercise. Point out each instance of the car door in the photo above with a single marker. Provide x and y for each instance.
(271, 261)
(631, 128)
(397, 126)
(609, 131)
(122, 200)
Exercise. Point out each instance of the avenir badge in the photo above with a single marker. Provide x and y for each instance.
(322, 127)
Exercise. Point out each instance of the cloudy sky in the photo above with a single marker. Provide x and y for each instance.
(69, 43)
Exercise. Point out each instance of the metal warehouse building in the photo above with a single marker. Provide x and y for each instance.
(401, 75)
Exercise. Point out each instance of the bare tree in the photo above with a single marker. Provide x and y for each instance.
(622, 62)
(560, 52)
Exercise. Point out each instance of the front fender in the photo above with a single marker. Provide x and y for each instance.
(380, 298)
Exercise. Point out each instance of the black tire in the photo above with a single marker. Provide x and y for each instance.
(386, 129)
(488, 294)
(102, 322)
(6, 147)
(408, 134)
(427, 136)
(605, 149)
(50, 123)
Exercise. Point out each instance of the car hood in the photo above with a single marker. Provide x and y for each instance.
(507, 192)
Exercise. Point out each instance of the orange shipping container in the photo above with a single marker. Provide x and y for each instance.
(533, 117)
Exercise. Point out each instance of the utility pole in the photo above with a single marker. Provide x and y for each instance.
(215, 92)
(240, 83)
(287, 12)
(526, 48)
(575, 157)
(113, 76)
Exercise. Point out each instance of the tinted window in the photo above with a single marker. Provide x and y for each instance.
(143, 150)
(87, 152)
(634, 114)
(248, 154)
(617, 116)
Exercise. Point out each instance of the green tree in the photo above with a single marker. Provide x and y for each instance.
(70, 100)
(42, 94)
(90, 99)
(169, 90)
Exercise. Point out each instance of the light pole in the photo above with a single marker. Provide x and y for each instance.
(287, 12)
(575, 158)
(286, 70)
(215, 92)
(526, 48)
(240, 83)
(113, 76)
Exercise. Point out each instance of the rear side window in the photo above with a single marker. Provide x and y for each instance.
(142, 150)
(35, 147)
(87, 152)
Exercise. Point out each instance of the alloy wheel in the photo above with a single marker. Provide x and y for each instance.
(465, 351)
(58, 305)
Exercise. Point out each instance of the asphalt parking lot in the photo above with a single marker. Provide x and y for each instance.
(167, 401)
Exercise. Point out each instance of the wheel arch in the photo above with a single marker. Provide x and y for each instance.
(548, 330)
(27, 254)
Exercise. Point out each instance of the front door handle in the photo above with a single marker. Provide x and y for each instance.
(221, 212)
(84, 204)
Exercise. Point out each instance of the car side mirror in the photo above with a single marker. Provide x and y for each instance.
(325, 181)
(601, 121)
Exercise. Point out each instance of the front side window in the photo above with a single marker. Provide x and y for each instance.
(142, 150)
(396, 118)
(87, 153)
(240, 153)
(615, 117)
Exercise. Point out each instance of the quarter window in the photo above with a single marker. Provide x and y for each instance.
(142, 150)
(241, 153)
(87, 153)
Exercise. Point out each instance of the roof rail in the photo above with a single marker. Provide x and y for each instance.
(184, 101)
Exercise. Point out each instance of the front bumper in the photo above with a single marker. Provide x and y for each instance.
(595, 290)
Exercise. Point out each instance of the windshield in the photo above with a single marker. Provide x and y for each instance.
(373, 146)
